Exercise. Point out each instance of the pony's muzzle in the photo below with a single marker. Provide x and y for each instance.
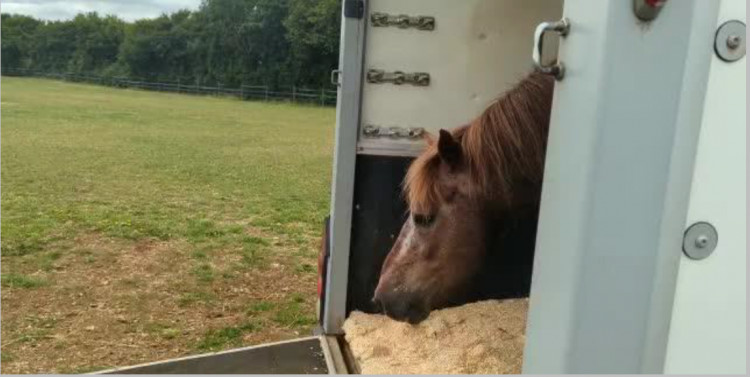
(376, 304)
(405, 307)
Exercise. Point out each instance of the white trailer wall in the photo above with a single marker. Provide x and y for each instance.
(708, 329)
(478, 50)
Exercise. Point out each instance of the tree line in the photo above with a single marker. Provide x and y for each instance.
(224, 42)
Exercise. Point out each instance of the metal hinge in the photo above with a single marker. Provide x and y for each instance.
(379, 76)
(402, 21)
(370, 130)
(354, 9)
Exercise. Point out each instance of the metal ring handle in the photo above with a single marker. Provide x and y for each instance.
(562, 28)
(335, 77)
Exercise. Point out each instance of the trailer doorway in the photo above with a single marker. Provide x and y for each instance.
(601, 300)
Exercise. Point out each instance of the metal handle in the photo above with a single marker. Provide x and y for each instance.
(335, 77)
(561, 28)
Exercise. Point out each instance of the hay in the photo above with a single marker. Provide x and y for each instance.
(481, 338)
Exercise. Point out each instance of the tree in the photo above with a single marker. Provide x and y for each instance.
(18, 33)
(313, 33)
(97, 42)
(53, 46)
(150, 48)
(224, 42)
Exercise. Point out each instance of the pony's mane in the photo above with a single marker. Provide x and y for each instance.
(503, 147)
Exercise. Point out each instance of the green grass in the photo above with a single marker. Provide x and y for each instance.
(252, 247)
(294, 314)
(225, 189)
(204, 273)
(304, 268)
(220, 338)
(199, 254)
(6, 357)
(14, 280)
(136, 165)
(164, 331)
(260, 307)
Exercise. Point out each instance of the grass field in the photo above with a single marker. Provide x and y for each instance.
(138, 226)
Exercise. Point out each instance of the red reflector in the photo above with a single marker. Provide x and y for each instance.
(655, 3)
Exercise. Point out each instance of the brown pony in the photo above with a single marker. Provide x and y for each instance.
(473, 198)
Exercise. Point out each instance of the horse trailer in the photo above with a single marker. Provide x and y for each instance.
(639, 261)
(640, 251)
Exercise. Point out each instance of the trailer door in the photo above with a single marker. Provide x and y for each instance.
(620, 191)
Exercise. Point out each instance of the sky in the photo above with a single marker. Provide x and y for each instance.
(128, 10)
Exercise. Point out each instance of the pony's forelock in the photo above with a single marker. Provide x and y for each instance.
(421, 183)
(503, 146)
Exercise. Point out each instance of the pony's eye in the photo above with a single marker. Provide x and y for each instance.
(423, 220)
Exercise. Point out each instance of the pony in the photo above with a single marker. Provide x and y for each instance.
(473, 200)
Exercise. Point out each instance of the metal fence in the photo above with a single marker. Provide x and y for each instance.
(323, 96)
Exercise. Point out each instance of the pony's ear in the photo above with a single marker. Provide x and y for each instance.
(449, 149)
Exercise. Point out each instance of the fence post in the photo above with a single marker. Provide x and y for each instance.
(322, 96)
(266, 88)
(294, 94)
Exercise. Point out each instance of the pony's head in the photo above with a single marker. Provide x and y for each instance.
(456, 190)
(442, 241)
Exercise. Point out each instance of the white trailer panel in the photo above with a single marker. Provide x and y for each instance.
(708, 328)
(478, 50)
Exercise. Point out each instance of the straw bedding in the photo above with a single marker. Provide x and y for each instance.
(485, 337)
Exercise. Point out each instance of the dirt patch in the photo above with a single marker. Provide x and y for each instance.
(480, 338)
(111, 302)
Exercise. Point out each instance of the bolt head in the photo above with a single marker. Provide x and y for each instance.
(734, 41)
(701, 242)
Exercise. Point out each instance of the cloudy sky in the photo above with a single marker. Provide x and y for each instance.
(126, 9)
